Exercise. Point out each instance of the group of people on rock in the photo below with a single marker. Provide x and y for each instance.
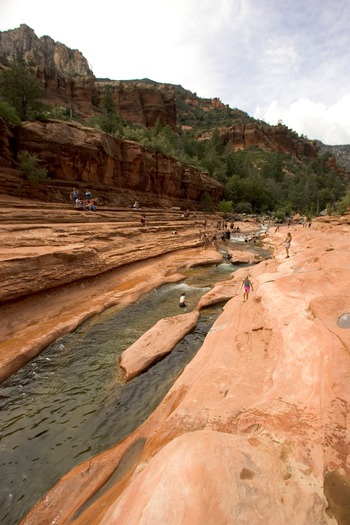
(208, 239)
(84, 201)
(224, 225)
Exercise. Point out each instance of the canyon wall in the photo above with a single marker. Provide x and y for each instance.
(117, 171)
(68, 81)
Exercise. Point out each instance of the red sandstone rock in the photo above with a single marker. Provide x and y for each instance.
(271, 138)
(261, 409)
(259, 415)
(113, 168)
(207, 477)
(156, 343)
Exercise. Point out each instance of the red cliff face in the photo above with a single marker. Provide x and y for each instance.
(272, 138)
(69, 82)
(67, 79)
(117, 170)
(139, 103)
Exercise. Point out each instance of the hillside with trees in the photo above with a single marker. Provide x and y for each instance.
(259, 176)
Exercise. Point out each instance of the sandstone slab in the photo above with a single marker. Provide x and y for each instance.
(157, 342)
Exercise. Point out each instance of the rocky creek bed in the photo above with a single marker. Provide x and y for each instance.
(262, 408)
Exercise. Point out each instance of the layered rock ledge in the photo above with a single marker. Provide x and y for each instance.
(60, 266)
(256, 429)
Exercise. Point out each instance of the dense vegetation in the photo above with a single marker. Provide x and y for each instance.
(254, 180)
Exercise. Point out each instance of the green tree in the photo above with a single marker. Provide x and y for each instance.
(9, 113)
(21, 89)
(226, 206)
(108, 121)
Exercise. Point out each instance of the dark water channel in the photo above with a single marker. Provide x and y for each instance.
(68, 404)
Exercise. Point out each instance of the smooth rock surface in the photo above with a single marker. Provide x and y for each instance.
(156, 343)
(257, 420)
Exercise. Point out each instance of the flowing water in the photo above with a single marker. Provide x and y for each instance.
(68, 404)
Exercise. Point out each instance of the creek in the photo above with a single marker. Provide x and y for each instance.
(69, 404)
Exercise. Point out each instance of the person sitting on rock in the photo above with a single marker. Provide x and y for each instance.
(79, 205)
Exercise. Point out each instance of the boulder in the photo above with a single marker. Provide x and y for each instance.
(157, 342)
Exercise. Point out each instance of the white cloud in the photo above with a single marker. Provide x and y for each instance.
(330, 124)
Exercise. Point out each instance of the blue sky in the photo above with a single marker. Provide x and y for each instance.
(278, 60)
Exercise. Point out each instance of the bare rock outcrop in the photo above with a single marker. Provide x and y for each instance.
(69, 82)
(58, 245)
(137, 102)
(65, 73)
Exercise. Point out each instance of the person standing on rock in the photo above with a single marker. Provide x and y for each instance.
(287, 243)
(143, 220)
(247, 286)
(74, 196)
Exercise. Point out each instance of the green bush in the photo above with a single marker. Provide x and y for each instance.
(9, 113)
(280, 215)
(226, 206)
(28, 165)
(244, 207)
(344, 204)
(59, 112)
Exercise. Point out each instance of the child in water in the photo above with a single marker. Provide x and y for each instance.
(182, 302)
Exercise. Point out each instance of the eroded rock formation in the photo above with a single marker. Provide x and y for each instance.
(271, 138)
(64, 72)
(117, 171)
(256, 421)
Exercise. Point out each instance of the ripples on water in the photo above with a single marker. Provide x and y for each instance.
(68, 404)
